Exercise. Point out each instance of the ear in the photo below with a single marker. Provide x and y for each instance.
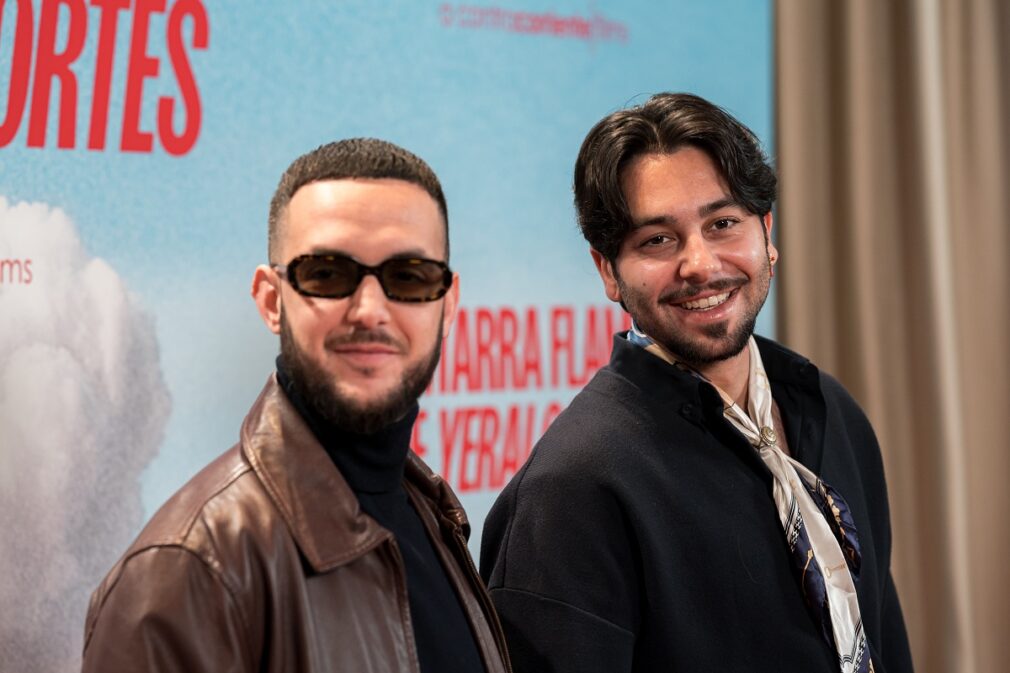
(773, 253)
(607, 273)
(266, 293)
(450, 306)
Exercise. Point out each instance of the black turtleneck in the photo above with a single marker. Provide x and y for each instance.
(372, 465)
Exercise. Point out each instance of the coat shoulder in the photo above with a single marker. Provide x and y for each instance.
(610, 409)
(211, 497)
(212, 519)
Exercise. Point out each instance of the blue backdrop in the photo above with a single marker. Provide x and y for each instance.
(129, 347)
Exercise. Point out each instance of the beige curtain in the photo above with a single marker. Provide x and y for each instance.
(893, 146)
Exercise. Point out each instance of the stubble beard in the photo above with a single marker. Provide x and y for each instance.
(321, 393)
(693, 351)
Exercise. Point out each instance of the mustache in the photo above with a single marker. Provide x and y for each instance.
(683, 294)
(358, 336)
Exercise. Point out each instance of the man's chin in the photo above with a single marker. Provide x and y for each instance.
(718, 352)
(370, 402)
(363, 416)
(717, 345)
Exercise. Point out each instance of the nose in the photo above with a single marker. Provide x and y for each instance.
(699, 260)
(369, 306)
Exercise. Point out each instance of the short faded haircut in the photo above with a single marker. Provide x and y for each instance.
(367, 158)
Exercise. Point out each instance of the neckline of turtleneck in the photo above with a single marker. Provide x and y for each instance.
(371, 463)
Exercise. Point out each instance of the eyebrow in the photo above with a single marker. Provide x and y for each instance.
(728, 202)
(410, 253)
(703, 211)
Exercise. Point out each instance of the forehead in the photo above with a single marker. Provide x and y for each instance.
(369, 219)
(672, 184)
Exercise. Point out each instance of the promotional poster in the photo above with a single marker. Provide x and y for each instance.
(140, 144)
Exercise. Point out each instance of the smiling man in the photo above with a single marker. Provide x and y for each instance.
(710, 501)
(320, 542)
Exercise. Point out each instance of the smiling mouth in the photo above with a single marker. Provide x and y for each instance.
(707, 303)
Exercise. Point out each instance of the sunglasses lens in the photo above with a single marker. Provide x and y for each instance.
(414, 279)
(337, 276)
(327, 276)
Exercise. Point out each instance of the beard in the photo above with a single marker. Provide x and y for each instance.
(717, 342)
(322, 394)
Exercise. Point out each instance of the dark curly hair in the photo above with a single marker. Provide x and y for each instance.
(664, 123)
(352, 158)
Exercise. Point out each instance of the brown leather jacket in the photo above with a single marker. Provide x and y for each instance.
(264, 562)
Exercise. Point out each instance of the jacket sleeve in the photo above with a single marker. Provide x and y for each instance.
(165, 610)
(551, 636)
(893, 650)
(562, 572)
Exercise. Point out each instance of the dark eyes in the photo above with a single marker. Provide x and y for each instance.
(320, 273)
(720, 225)
(724, 223)
(411, 275)
(658, 239)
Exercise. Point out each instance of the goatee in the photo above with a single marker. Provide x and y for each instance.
(719, 341)
(320, 392)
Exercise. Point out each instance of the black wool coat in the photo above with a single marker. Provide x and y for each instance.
(641, 535)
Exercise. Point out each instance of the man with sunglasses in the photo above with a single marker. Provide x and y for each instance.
(321, 542)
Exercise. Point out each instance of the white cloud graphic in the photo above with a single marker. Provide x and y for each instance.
(83, 407)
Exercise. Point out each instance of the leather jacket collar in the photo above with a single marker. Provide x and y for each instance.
(316, 502)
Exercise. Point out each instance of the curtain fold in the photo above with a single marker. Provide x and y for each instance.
(894, 157)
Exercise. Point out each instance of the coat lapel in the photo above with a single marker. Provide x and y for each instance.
(319, 507)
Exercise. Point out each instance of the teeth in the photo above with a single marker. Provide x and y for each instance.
(707, 302)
